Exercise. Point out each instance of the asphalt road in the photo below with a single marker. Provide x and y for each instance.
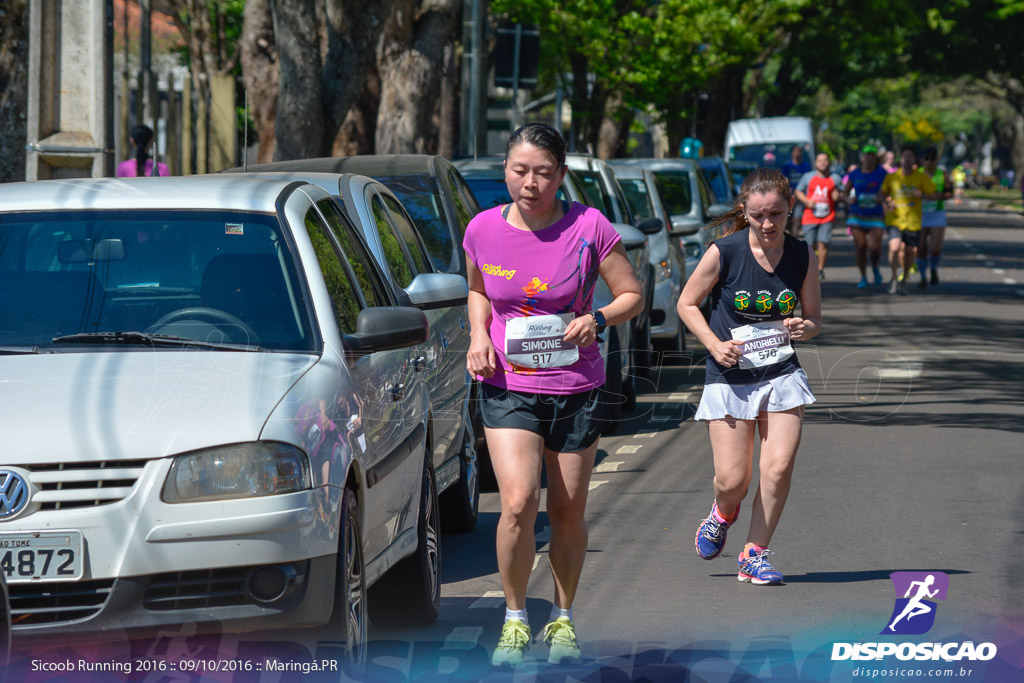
(911, 461)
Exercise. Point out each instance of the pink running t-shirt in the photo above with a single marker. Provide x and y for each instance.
(542, 272)
(128, 168)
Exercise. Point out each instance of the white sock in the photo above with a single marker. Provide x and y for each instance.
(557, 611)
(519, 614)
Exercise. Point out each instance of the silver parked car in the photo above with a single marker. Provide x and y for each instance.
(215, 417)
(640, 188)
(401, 255)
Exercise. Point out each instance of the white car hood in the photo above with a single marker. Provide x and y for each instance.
(132, 405)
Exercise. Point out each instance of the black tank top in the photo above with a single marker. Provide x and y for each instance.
(746, 293)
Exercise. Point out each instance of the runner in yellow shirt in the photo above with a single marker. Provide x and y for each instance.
(904, 190)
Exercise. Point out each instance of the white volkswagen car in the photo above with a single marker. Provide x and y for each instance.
(210, 412)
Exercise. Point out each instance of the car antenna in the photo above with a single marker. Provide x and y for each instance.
(245, 135)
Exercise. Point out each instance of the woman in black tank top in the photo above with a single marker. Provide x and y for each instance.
(757, 276)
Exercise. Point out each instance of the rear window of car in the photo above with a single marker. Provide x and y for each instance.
(489, 192)
(422, 199)
(676, 194)
(637, 196)
(716, 178)
(181, 272)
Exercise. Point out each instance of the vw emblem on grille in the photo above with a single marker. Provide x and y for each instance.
(14, 494)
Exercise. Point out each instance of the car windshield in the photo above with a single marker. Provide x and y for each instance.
(422, 199)
(773, 154)
(595, 191)
(719, 183)
(489, 192)
(211, 276)
(674, 187)
(638, 197)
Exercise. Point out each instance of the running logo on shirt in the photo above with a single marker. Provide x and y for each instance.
(742, 300)
(787, 301)
(764, 301)
(498, 271)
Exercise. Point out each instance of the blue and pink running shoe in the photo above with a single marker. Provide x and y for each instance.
(711, 534)
(755, 568)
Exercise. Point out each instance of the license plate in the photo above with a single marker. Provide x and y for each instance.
(41, 555)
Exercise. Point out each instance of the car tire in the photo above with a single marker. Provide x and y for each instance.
(643, 350)
(460, 503)
(350, 618)
(613, 387)
(410, 594)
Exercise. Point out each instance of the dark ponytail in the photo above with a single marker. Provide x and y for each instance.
(141, 136)
(760, 181)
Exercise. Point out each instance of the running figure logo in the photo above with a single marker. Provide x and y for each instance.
(914, 612)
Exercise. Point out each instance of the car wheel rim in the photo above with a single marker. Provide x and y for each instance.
(433, 557)
(356, 631)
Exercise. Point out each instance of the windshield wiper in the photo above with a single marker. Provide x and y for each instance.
(144, 338)
(20, 350)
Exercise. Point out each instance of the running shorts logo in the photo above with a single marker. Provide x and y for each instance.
(742, 300)
(764, 301)
(914, 611)
(787, 301)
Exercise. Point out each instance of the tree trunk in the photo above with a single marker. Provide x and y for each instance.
(300, 125)
(13, 89)
(720, 108)
(411, 62)
(614, 131)
(359, 129)
(259, 73)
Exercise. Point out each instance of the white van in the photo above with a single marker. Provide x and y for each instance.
(768, 141)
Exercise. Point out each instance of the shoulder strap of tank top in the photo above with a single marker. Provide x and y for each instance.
(504, 211)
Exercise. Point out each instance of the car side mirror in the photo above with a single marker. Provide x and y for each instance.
(718, 210)
(650, 226)
(384, 328)
(685, 226)
(429, 291)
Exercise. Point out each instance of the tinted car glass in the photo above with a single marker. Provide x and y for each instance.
(489, 192)
(595, 191)
(717, 180)
(103, 271)
(638, 197)
(422, 199)
(358, 259)
(398, 263)
(674, 187)
(773, 154)
(464, 208)
(407, 233)
(336, 276)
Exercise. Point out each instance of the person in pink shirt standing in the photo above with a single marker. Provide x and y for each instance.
(142, 163)
(532, 266)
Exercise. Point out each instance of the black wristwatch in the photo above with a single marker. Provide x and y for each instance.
(600, 320)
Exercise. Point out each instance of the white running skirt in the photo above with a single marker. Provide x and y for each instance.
(745, 401)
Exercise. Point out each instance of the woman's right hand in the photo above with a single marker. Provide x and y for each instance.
(727, 353)
(480, 359)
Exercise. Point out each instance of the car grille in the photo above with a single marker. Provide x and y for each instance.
(210, 587)
(83, 484)
(57, 602)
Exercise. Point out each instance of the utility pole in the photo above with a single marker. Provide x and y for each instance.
(70, 126)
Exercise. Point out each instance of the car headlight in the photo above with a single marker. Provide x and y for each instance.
(663, 271)
(244, 470)
(692, 250)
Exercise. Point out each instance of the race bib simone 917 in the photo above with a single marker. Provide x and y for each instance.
(536, 341)
(763, 344)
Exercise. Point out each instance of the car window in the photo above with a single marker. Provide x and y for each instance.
(343, 293)
(464, 208)
(581, 193)
(707, 197)
(637, 196)
(715, 176)
(421, 197)
(145, 270)
(407, 233)
(398, 263)
(359, 260)
(620, 200)
(676, 195)
(595, 192)
(489, 192)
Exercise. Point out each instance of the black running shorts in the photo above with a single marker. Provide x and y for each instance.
(569, 423)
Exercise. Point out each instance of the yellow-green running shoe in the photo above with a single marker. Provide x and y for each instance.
(560, 634)
(514, 641)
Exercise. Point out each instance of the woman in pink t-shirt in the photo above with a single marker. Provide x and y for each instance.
(532, 266)
(141, 164)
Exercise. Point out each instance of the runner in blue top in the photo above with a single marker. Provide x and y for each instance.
(794, 170)
(757, 276)
(867, 215)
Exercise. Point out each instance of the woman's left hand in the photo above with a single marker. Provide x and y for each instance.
(797, 328)
(582, 331)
